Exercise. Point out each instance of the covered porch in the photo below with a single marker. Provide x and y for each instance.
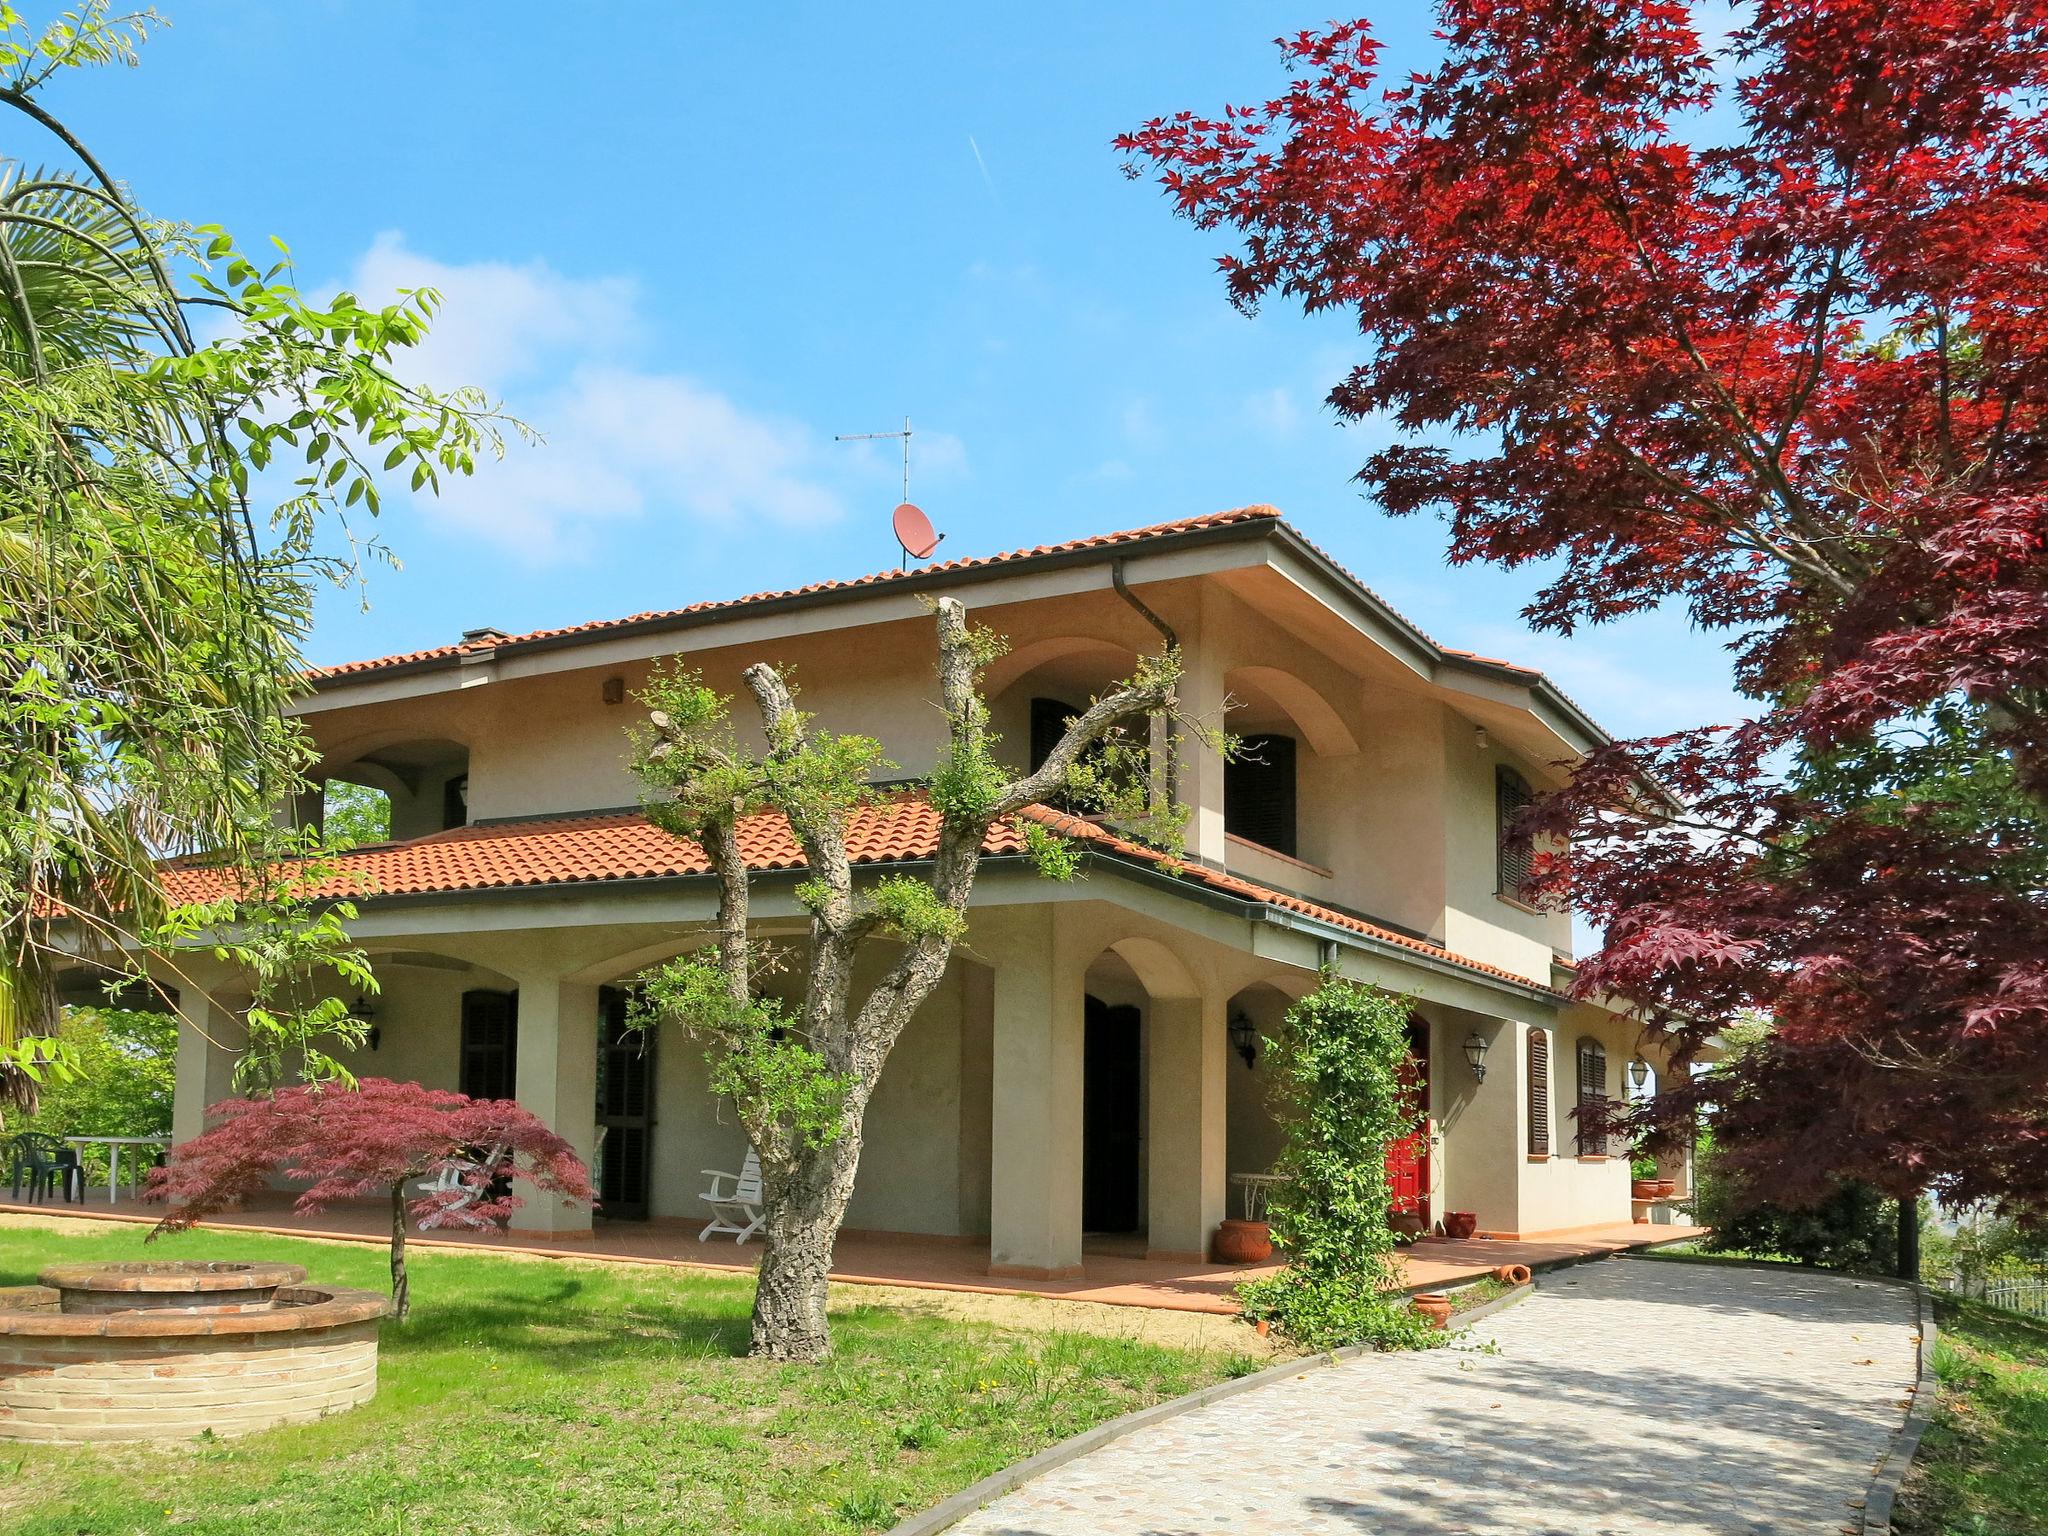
(1112, 1272)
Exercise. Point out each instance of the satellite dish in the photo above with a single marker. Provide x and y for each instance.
(914, 532)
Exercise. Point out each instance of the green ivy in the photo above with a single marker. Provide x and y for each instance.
(1337, 1071)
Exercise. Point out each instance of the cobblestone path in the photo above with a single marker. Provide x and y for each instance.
(1623, 1397)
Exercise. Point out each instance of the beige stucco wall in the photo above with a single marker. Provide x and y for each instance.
(1396, 809)
(1567, 1191)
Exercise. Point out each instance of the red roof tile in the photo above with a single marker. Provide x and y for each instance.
(1238, 515)
(625, 846)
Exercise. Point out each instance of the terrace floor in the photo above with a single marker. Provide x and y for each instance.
(1115, 1270)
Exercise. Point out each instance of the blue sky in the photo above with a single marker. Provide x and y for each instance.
(690, 243)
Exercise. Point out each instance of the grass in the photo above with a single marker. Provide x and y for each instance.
(1478, 1294)
(557, 1397)
(1982, 1469)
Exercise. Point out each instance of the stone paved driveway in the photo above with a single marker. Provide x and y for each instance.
(1627, 1396)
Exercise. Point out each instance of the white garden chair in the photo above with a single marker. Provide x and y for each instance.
(737, 1208)
(451, 1180)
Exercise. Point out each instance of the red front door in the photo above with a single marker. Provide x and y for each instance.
(1408, 1158)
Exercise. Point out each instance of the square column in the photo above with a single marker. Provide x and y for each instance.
(1035, 1121)
(1186, 1174)
(557, 1080)
(210, 1039)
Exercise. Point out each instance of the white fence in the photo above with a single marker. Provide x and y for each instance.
(2028, 1296)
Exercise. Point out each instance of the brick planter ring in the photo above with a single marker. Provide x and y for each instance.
(109, 1352)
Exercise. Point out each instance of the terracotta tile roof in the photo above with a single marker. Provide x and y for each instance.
(879, 579)
(625, 846)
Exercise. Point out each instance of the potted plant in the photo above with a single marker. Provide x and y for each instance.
(1433, 1305)
(1408, 1223)
(1243, 1242)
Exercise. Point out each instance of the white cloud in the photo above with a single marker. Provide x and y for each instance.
(620, 441)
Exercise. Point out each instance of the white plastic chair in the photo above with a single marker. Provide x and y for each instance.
(736, 1209)
(451, 1180)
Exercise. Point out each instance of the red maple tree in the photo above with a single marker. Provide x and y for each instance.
(1753, 325)
(373, 1140)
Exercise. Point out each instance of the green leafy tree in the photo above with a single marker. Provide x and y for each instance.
(123, 1082)
(163, 486)
(800, 1077)
(354, 814)
(1341, 1091)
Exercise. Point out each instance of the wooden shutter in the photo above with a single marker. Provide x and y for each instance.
(1539, 1093)
(1049, 719)
(1511, 797)
(1592, 1098)
(490, 1045)
(1258, 793)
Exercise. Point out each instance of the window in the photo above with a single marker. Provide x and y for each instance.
(455, 802)
(1511, 797)
(1591, 1113)
(1539, 1093)
(490, 1045)
(1258, 793)
(1049, 719)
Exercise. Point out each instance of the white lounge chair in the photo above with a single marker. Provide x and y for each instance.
(736, 1209)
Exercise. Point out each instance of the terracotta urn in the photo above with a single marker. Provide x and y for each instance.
(1512, 1274)
(1433, 1305)
(1666, 1188)
(1243, 1242)
(1643, 1189)
(1460, 1224)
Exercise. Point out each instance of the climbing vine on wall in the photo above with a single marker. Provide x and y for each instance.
(1336, 1064)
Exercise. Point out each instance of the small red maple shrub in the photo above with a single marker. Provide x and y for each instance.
(1758, 326)
(375, 1139)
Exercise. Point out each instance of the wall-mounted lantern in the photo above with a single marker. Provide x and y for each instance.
(363, 1011)
(1475, 1055)
(1244, 1037)
(1638, 1073)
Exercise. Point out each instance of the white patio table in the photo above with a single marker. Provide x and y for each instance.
(114, 1144)
(1257, 1188)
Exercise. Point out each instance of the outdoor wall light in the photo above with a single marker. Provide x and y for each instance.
(363, 1011)
(1244, 1038)
(1475, 1055)
(1638, 1073)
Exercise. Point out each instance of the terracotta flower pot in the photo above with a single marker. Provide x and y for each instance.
(1243, 1242)
(1512, 1274)
(1643, 1189)
(1409, 1223)
(1435, 1306)
(1666, 1188)
(1460, 1224)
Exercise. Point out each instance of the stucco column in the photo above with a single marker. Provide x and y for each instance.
(1035, 1122)
(1201, 767)
(557, 1080)
(1186, 1173)
(210, 1038)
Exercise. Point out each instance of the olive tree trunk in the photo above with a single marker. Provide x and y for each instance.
(801, 1215)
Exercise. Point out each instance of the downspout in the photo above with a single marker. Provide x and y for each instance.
(1116, 577)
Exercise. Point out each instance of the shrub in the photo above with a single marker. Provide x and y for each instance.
(1855, 1228)
(1338, 1066)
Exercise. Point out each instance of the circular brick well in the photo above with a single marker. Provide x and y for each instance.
(104, 1352)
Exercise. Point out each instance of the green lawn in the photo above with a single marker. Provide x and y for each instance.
(555, 1397)
(1982, 1469)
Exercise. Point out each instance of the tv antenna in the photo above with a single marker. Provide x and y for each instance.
(914, 533)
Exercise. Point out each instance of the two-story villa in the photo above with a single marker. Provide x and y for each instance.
(1090, 1064)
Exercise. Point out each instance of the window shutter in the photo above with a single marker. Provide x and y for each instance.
(1511, 796)
(1048, 724)
(1539, 1093)
(490, 1045)
(1258, 793)
(1592, 1097)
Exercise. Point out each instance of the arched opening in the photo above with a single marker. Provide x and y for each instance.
(1140, 1001)
(1279, 792)
(423, 786)
(1035, 690)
